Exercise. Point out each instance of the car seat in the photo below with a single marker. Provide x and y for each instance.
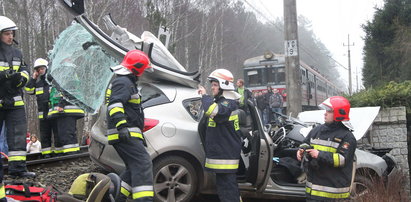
(245, 130)
(93, 187)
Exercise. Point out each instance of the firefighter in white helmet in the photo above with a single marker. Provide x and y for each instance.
(223, 139)
(330, 162)
(38, 86)
(13, 77)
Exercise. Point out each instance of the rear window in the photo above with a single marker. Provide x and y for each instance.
(193, 107)
(152, 96)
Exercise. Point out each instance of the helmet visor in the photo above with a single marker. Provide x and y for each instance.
(149, 69)
(120, 69)
(325, 107)
(348, 125)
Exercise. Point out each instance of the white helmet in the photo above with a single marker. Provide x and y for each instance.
(224, 77)
(40, 62)
(6, 24)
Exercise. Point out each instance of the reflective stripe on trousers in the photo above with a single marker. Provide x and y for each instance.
(327, 192)
(223, 164)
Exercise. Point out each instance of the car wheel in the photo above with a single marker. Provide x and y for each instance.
(361, 186)
(175, 179)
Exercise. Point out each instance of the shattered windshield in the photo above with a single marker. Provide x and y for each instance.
(80, 68)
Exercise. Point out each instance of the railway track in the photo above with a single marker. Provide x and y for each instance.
(36, 158)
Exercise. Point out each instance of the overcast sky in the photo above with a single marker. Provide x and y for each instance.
(332, 21)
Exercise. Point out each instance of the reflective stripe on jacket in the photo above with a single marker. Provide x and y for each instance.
(41, 89)
(222, 141)
(124, 108)
(329, 176)
(57, 100)
(9, 89)
(68, 110)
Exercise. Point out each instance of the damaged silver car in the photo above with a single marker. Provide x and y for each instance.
(173, 126)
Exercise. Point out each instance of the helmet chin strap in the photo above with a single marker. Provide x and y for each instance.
(220, 92)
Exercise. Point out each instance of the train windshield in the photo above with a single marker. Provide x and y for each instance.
(281, 75)
(254, 77)
(265, 75)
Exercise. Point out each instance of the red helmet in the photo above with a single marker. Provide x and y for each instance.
(339, 105)
(136, 61)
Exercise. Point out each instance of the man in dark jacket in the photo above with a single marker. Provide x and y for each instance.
(330, 162)
(223, 140)
(267, 114)
(125, 127)
(38, 86)
(275, 102)
(13, 77)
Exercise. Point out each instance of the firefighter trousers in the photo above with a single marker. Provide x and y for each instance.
(138, 174)
(227, 187)
(16, 125)
(46, 135)
(66, 139)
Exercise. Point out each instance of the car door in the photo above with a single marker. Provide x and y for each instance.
(260, 157)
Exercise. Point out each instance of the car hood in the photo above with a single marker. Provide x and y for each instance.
(360, 117)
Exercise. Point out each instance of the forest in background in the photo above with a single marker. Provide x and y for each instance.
(205, 35)
(387, 50)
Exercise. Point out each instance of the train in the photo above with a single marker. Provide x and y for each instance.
(268, 70)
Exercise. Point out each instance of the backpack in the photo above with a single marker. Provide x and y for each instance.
(24, 192)
(93, 187)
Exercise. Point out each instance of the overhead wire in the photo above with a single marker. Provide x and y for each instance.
(303, 48)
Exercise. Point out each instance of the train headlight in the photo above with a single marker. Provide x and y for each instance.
(268, 55)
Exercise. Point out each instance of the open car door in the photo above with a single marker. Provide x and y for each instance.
(260, 146)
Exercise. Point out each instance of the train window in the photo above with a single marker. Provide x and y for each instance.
(270, 75)
(281, 75)
(303, 77)
(320, 86)
(254, 77)
(303, 72)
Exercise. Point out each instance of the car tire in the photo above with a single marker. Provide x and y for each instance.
(361, 186)
(175, 179)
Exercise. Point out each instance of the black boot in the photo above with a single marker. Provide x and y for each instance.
(25, 174)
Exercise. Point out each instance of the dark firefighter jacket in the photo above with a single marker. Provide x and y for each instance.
(223, 140)
(330, 176)
(124, 108)
(57, 100)
(41, 89)
(12, 65)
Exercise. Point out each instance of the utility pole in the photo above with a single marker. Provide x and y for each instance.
(349, 66)
(292, 59)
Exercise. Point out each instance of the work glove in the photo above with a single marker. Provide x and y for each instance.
(15, 78)
(10, 88)
(4, 75)
(124, 135)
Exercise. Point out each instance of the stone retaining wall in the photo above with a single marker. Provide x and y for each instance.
(389, 130)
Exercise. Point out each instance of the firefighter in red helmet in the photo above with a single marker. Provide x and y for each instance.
(125, 127)
(330, 162)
